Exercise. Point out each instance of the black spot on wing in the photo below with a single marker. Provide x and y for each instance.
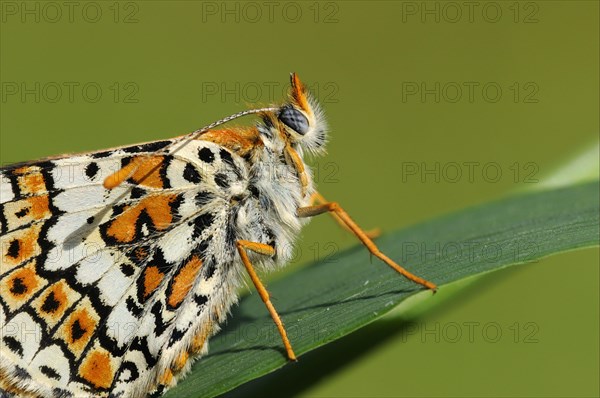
(13, 344)
(191, 174)
(206, 155)
(22, 213)
(14, 247)
(18, 287)
(203, 198)
(201, 223)
(126, 160)
(91, 170)
(222, 180)
(127, 269)
(117, 209)
(50, 303)
(51, 373)
(77, 331)
(200, 299)
(137, 192)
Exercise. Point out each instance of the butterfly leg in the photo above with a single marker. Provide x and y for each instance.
(336, 209)
(261, 248)
(317, 199)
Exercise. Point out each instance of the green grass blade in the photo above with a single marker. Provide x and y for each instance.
(584, 167)
(581, 168)
(324, 302)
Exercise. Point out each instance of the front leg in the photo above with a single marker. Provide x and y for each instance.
(334, 208)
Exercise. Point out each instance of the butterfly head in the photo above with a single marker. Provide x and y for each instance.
(302, 120)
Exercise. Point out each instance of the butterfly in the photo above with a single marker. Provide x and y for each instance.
(117, 266)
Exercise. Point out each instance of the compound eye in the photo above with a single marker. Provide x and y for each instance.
(294, 119)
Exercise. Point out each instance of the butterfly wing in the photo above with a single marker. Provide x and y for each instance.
(110, 290)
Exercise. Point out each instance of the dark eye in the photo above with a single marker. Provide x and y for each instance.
(294, 119)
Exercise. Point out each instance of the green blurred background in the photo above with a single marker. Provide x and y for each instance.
(433, 106)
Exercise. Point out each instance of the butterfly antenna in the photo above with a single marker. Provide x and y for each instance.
(232, 117)
(126, 172)
(195, 134)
